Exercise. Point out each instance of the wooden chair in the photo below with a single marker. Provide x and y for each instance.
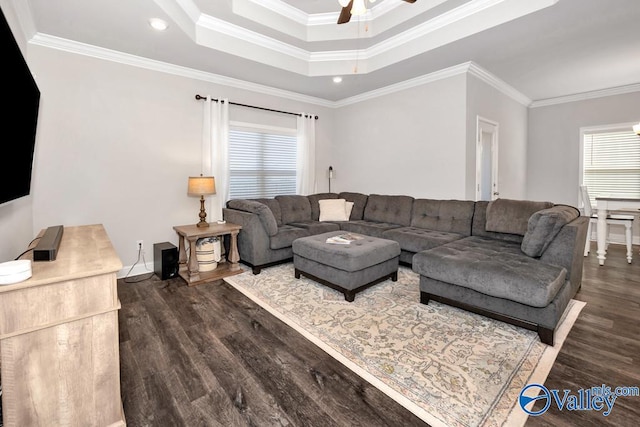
(612, 219)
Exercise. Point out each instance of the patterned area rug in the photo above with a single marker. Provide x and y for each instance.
(446, 365)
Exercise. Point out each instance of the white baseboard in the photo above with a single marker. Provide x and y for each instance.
(137, 270)
(618, 238)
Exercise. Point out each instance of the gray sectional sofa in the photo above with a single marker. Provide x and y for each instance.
(515, 260)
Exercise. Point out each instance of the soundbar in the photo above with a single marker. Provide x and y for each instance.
(47, 247)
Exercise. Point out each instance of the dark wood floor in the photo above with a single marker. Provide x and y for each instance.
(603, 347)
(208, 356)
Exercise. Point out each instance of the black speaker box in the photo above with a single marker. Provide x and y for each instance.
(165, 260)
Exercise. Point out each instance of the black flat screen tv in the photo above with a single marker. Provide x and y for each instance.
(19, 119)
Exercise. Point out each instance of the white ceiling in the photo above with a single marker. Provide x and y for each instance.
(543, 48)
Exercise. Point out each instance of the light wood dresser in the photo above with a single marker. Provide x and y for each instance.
(59, 337)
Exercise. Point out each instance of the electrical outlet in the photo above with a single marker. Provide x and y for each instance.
(139, 245)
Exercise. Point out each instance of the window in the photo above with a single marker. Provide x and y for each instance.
(262, 161)
(611, 161)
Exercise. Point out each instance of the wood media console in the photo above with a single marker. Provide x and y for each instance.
(59, 345)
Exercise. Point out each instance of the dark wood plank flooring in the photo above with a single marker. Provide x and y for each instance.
(604, 345)
(209, 356)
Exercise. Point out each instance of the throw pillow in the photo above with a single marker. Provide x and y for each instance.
(544, 226)
(333, 210)
(348, 209)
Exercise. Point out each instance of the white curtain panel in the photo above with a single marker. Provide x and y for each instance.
(306, 155)
(215, 153)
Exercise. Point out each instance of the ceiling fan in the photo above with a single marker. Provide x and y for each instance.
(355, 7)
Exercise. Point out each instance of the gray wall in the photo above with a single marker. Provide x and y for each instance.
(487, 102)
(409, 142)
(117, 143)
(421, 141)
(553, 153)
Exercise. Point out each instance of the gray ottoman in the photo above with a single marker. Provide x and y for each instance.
(347, 268)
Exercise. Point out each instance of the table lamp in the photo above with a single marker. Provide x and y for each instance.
(201, 186)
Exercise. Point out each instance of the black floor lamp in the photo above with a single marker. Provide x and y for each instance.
(330, 177)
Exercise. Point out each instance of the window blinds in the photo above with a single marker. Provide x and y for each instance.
(612, 163)
(261, 164)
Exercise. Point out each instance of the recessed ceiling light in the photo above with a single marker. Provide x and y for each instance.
(337, 79)
(158, 24)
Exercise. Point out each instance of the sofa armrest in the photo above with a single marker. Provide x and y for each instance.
(265, 214)
(567, 249)
(253, 240)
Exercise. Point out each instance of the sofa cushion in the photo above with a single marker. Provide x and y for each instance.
(359, 202)
(274, 205)
(512, 216)
(295, 208)
(370, 228)
(480, 221)
(333, 210)
(389, 209)
(413, 239)
(286, 235)
(452, 216)
(544, 226)
(316, 227)
(492, 267)
(264, 213)
(315, 207)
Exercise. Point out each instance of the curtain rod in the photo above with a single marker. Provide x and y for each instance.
(199, 97)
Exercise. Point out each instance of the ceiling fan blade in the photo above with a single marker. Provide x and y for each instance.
(345, 13)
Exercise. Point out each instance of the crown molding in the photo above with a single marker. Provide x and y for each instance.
(407, 84)
(239, 33)
(163, 67)
(620, 90)
(469, 67)
(312, 19)
(490, 79)
(455, 24)
(281, 8)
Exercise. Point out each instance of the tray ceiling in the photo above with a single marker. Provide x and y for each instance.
(542, 49)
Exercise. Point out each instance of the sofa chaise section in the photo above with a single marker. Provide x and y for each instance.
(523, 276)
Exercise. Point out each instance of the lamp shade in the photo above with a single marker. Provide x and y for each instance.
(636, 129)
(201, 186)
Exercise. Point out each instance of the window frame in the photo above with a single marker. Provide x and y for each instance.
(586, 130)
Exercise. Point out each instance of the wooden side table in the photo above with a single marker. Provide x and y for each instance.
(189, 269)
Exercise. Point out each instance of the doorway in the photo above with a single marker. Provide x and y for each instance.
(486, 159)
